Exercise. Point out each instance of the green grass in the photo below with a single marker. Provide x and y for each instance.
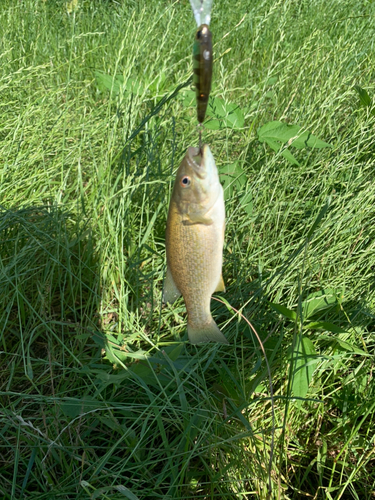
(100, 395)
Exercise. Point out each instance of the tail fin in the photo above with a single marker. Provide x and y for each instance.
(206, 333)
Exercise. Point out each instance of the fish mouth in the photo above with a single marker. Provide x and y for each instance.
(197, 159)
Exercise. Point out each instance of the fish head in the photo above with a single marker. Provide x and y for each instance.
(197, 185)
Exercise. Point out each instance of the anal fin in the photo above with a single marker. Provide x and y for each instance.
(220, 287)
(170, 290)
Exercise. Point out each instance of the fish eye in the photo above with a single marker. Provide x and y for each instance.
(185, 181)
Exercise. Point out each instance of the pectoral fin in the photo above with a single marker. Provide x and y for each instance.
(197, 219)
(220, 287)
(170, 291)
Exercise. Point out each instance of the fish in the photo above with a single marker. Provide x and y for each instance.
(194, 242)
(202, 56)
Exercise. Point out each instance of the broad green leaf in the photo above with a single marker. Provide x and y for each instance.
(270, 95)
(278, 135)
(289, 134)
(272, 80)
(99, 338)
(108, 82)
(174, 351)
(246, 202)
(157, 369)
(284, 311)
(324, 325)
(145, 372)
(116, 83)
(114, 353)
(217, 107)
(214, 124)
(224, 114)
(111, 423)
(230, 382)
(276, 146)
(318, 301)
(288, 156)
(347, 346)
(260, 388)
(276, 131)
(308, 140)
(107, 379)
(72, 407)
(220, 390)
(113, 339)
(350, 347)
(158, 83)
(363, 96)
(304, 362)
(183, 363)
(235, 117)
(188, 98)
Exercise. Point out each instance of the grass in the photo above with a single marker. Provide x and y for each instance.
(100, 395)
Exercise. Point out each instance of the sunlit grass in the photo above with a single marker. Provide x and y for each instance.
(100, 396)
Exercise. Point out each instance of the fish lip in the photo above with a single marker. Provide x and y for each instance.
(199, 168)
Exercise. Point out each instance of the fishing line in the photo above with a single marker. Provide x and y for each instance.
(271, 390)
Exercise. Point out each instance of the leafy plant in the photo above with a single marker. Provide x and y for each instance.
(303, 359)
(302, 354)
(116, 84)
(280, 136)
(222, 114)
(364, 98)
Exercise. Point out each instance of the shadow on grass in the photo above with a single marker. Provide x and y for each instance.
(74, 426)
(49, 298)
(49, 281)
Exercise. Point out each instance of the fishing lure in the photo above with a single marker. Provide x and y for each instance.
(202, 55)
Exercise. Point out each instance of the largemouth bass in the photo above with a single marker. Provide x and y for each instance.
(194, 242)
